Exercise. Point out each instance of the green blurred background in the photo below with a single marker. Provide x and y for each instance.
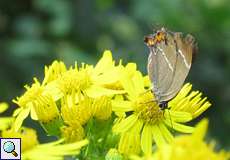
(35, 32)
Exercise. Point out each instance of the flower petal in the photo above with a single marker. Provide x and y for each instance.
(200, 130)
(166, 133)
(138, 80)
(201, 109)
(121, 106)
(17, 111)
(177, 116)
(106, 77)
(20, 118)
(97, 91)
(179, 127)
(125, 124)
(129, 87)
(157, 136)
(33, 113)
(129, 143)
(146, 139)
(3, 107)
(105, 62)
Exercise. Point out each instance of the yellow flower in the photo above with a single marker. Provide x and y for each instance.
(76, 112)
(75, 115)
(151, 123)
(45, 108)
(102, 108)
(62, 83)
(32, 150)
(25, 102)
(31, 94)
(5, 121)
(90, 80)
(73, 133)
(33, 101)
(191, 147)
(54, 71)
(129, 69)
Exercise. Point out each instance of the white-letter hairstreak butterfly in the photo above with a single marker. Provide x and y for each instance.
(169, 62)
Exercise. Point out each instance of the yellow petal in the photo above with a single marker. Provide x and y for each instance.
(129, 87)
(97, 91)
(146, 139)
(109, 77)
(20, 118)
(125, 124)
(183, 93)
(157, 136)
(138, 83)
(17, 111)
(33, 114)
(121, 106)
(179, 127)
(147, 81)
(129, 143)
(201, 129)
(178, 116)
(3, 107)
(202, 109)
(105, 62)
(166, 133)
(53, 89)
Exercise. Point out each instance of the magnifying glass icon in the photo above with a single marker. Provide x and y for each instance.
(9, 147)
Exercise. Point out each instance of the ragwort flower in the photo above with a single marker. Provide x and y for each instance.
(67, 84)
(25, 103)
(145, 118)
(191, 147)
(76, 115)
(89, 80)
(38, 101)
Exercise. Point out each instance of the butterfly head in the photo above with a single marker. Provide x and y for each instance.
(158, 37)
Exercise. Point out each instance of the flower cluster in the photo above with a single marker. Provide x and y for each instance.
(68, 98)
(109, 107)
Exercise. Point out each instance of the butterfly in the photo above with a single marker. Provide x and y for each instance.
(169, 61)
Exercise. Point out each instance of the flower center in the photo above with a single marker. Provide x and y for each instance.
(74, 81)
(148, 110)
(30, 95)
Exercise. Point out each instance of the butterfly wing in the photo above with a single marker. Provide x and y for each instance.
(161, 66)
(169, 65)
